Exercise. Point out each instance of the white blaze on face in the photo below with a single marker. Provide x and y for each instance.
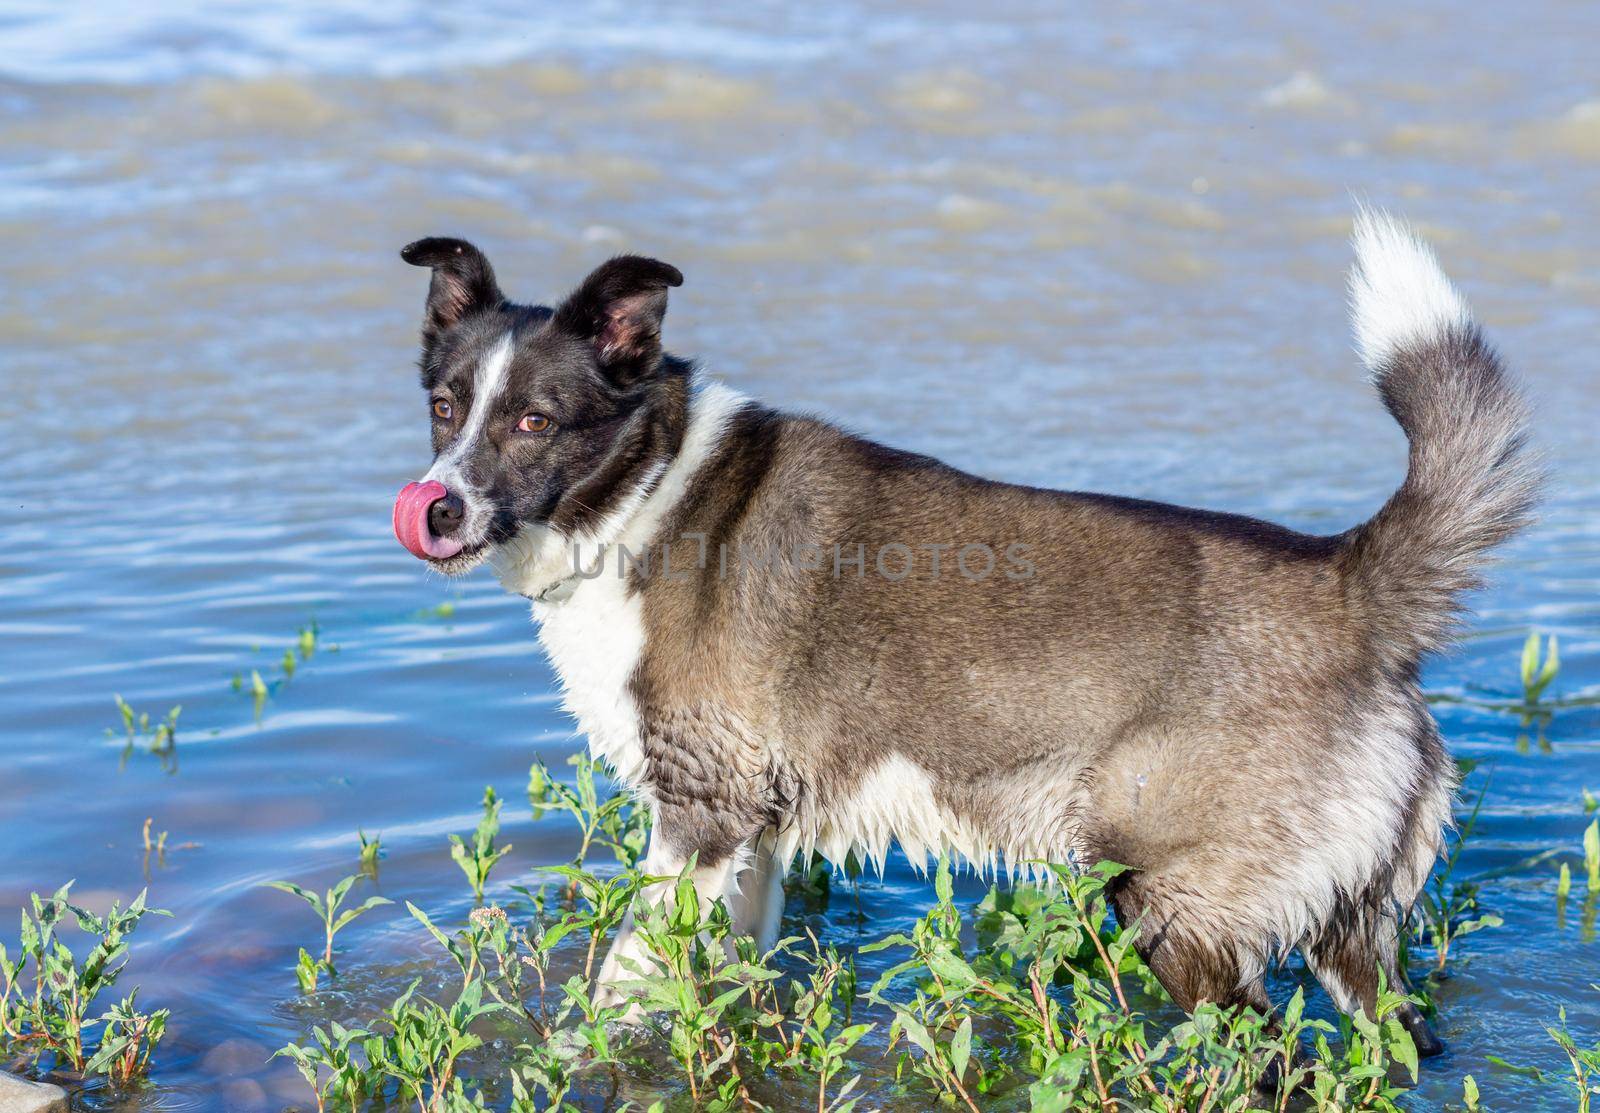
(488, 383)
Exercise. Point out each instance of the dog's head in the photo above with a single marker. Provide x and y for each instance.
(545, 421)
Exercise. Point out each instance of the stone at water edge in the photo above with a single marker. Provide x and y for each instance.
(20, 1096)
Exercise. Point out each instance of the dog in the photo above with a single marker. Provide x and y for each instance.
(783, 637)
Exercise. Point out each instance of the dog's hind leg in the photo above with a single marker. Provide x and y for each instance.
(1347, 957)
(1194, 956)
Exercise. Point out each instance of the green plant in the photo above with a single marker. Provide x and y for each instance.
(1537, 674)
(423, 1044)
(1446, 910)
(478, 859)
(159, 843)
(307, 639)
(1585, 1062)
(127, 1041)
(1591, 855)
(47, 996)
(600, 904)
(820, 1013)
(613, 822)
(159, 738)
(331, 1066)
(1094, 1050)
(371, 851)
(695, 988)
(327, 909)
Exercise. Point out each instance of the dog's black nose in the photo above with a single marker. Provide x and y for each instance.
(445, 515)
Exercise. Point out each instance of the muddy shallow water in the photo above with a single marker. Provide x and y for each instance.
(1096, 252)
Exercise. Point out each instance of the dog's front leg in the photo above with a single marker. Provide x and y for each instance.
(629, 957)
(756, 900)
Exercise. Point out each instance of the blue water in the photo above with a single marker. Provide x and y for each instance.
(1097, 249)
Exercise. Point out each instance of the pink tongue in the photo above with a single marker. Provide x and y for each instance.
(411, 521)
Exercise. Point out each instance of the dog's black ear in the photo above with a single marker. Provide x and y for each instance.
(463, 282)
(619, 309)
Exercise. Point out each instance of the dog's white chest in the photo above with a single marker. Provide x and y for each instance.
(595, 640)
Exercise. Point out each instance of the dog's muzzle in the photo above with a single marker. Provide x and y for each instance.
(426, 518)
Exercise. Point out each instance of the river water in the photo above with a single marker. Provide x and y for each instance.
(1091, 248)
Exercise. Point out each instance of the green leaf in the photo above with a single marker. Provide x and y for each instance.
(951, 968)
(961, 1048)
(1400, 1046)
(1552, 664)
(1527, 1072)
(1488, 920)
(444, 940)
(290, 887)
(367, 905)
(1530, 659)
(1591, 855)
(336, 894)
(916, 1033)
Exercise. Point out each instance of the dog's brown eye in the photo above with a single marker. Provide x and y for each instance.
(441, 409)
(534, 423)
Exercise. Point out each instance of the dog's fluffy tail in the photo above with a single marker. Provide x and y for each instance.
(1471, 482)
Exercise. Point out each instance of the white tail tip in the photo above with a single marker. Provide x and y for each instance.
(1399, 296)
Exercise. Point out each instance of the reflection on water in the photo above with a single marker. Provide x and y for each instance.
(1101, 252)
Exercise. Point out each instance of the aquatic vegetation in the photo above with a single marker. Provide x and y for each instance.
(1447, 909)
(1585, 1080)
(1033, 997)
(371, 851)
(47, 995)
(1037, 995)
(1037, 1008)
(1591, 867)
(1538, 667)
(160, 735)
(159, 843)
(158, 738)
(330, 1065)
(305, 645)
(612, 821)
(480, 857)
(1591, 855)
(410, 1053)
(1536, 673)
(327, 909)
(128, 1040)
